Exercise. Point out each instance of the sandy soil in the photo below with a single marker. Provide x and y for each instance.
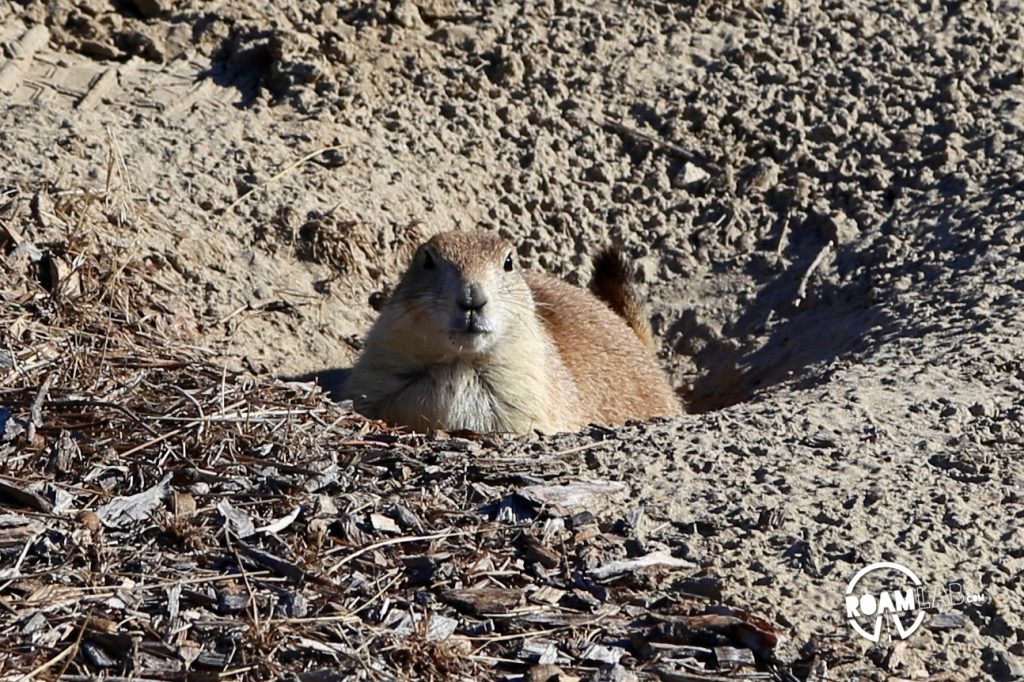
(289, 158)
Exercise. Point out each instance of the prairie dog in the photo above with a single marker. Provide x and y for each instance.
(470, 341)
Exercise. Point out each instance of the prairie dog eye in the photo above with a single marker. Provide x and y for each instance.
(428, 261)
(508, 263)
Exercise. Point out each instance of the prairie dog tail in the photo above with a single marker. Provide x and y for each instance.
(612, 283)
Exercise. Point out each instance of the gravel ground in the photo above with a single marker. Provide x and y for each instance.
(823, 200)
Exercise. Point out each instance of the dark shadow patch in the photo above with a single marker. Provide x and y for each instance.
(252, 61)
(245, 62)
(834, 322)
(927, 248)
(332, 380)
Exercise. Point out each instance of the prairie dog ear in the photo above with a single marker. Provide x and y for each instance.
(424, 261)
(417, 256)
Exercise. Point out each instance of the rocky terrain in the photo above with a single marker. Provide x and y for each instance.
(823, 201)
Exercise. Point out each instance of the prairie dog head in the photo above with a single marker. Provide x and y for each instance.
(462, 293)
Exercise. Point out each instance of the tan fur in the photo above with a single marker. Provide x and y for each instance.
(523, 351)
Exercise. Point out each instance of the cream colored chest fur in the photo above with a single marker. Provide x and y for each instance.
(456, 394)
(459, 395)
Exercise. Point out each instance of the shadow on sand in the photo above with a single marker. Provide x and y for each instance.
(331, 380)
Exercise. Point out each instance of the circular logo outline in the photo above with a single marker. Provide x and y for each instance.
(877, 634)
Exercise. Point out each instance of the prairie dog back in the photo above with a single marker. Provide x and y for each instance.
(469, 341)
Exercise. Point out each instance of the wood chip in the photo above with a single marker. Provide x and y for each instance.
(534, 550)
(604, 654)
(819, 672)
(182, 504)
(894, 656)
(384, 524)
(280, 524)
(543, 651)
(1010, 667)
(614, 673)
(573, 496)
(15, 530)
(548, 673)
(731, 657)
(237, 521)
(654, 559)
(747, 630)
(15, 494)
(545, 595)
(441, 628)
(484, 600)
(407, 520)
(122, 512)
(274, 563)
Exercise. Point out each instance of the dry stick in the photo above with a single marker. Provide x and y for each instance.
(579, 448)
(264, 575)
(109, 678)
(238, 671)
(252, 596)
(122, 173)
(170, 434)
(36, 412)
(240, 309)
(395, 541)
(197, 405)
(314, 619)
(78, 644)
(134, 678)
(10, 609)
(377, 596)
(263, 416)
(330, 427)
(505, 638)
(659, 143)
(485, 659)
(16, 569)
(783, 233)
(154, 441)
(283, 172)
(801, 291)
(110, 164)
(223, 387)
(70, 651)
(103, 403)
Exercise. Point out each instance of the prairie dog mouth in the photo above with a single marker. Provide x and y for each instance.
(471, 333)
(471, 324)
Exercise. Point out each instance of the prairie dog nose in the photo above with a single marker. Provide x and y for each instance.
(472, 298)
